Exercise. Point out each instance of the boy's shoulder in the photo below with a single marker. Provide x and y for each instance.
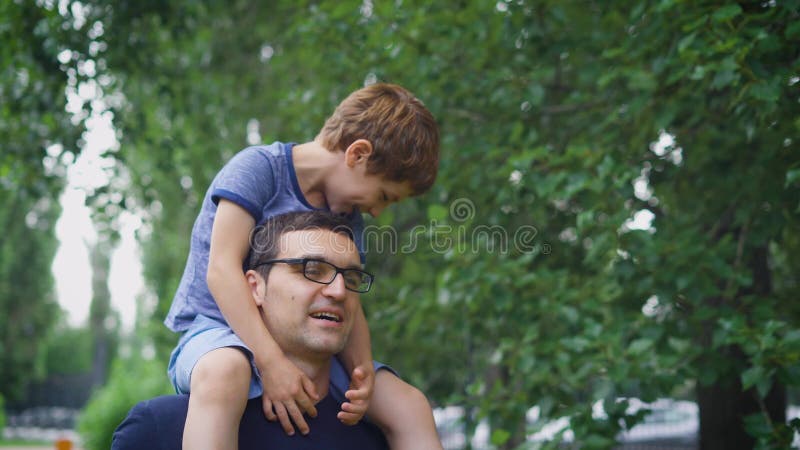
(257, 159)
(271, 152)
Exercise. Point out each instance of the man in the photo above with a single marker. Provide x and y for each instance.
(308, 306)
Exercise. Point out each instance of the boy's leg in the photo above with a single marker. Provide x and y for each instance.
(403, 413)
(220, 382)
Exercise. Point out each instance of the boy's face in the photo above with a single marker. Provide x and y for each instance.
(369, 193)
(352, 187)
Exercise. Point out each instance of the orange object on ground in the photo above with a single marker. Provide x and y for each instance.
(63, 444)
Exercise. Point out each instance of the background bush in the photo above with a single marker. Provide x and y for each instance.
(131, 381)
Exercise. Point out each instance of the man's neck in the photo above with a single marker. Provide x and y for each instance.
(312, 163)
(318, 370)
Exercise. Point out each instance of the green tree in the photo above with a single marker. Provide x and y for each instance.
(26, 253)
(131, 380)
(68, 350)
(38, 141)
(561, 121)
(103, 323)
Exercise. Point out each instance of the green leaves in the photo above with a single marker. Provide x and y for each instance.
(766, 92)
(726, 13)
(551, 116)
(758, 377)
(500, 436)
(792, 176)
(792, 31)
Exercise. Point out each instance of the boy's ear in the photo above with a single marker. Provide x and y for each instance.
(357, 152)
(257, 286)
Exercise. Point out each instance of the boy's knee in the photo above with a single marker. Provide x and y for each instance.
(221, 371)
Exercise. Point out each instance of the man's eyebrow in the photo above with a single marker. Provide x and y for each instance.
(323, 258)
(312, 256)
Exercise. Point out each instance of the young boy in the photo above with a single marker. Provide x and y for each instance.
(380, 146)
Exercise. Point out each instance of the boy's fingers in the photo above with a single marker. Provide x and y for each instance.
(354, 408)
(283, 416)
(348, 418)
(307, 406)
(359, 378)
(267, 406)
(310, 389)
(297, 418)
(356, 394)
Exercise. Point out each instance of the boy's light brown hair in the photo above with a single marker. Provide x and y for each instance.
(403, 133)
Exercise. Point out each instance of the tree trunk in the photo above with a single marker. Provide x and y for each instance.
(724, 405)
(100, 310)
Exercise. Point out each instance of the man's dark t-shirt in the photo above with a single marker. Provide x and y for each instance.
(158, 424)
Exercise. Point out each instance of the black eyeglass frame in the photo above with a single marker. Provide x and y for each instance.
(338, 270)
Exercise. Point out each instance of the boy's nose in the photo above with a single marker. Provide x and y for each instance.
(376, 211)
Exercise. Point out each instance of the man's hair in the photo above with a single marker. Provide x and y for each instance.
(265, 238)
(403, 134)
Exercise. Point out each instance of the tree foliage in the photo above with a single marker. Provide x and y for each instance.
(68, 350)
(131, 381)
(561, 122)
(44, 54)
(26, 301)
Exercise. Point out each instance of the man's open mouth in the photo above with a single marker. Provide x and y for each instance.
(327, 316)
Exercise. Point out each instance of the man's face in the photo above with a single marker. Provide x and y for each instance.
(302, 316)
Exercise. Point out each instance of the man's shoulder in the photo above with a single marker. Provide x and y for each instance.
(158, 423)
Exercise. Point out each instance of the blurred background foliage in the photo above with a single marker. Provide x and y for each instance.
(561, 122)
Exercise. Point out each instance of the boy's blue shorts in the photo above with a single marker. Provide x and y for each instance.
(206, 334)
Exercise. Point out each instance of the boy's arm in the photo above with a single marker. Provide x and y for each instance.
(357, 359)
(286, 389)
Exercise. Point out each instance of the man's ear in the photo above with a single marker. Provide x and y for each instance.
(357, 152)
(257, 285)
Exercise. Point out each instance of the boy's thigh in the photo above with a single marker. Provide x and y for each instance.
(221, 369)
(198, 342)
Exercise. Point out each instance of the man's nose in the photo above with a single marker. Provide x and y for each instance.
(336, 288)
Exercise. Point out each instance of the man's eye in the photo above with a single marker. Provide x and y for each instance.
(352, 280)
(313, 267)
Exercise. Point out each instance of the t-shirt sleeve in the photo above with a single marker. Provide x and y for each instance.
(137, 431)
(248, 180)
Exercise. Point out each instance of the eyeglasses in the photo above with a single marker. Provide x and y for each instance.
(324, 272)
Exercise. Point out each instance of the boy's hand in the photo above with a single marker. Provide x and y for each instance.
(288, 393)
(361, 385)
